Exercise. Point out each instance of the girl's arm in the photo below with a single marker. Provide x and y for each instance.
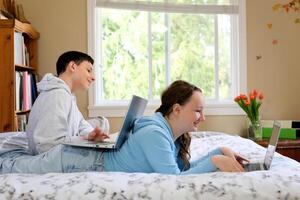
(160, 152)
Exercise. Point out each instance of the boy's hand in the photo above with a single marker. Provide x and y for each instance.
(97, 135)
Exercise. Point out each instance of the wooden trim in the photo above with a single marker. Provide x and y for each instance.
(26, 28)
(7, 23)
(20, 27)
(7, 74)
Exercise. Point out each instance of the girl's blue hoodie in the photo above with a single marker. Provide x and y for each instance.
(151, 149)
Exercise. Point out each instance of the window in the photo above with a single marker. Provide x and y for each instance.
(140, 47)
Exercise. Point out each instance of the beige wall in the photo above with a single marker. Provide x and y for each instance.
(277, 73)
(63, 26)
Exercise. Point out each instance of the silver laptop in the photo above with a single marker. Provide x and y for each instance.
(136, 109)
(269, 153)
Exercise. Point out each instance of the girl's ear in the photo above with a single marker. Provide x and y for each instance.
(176, 108)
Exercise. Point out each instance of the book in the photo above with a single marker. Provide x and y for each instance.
(21, 91)
(29, 90)
(27, 57)
(18, 48)
(21, 122)
(17, 90)
(25, 90)
(34, 92)
(25, 99)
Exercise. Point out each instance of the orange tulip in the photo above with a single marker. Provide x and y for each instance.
(243, 96)
(247, 103)
(255, 93)
(236, 99)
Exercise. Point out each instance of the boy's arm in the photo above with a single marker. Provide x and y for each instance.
(84, 127)
(89, 132)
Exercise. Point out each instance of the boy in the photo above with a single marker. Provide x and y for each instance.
(55, 115)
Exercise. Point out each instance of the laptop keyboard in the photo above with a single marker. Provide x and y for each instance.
(100, 142)
(253, 167)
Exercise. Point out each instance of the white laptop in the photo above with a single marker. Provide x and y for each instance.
(269, 153)
(136, 109)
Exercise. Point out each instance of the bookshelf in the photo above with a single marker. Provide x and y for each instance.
(9, 68)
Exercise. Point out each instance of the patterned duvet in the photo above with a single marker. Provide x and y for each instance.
(282, 181)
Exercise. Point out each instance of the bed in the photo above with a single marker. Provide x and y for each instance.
(282, 181)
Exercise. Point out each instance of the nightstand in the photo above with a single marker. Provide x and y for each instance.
(289, 148)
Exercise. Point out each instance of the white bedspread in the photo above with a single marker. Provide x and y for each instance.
(282, 181)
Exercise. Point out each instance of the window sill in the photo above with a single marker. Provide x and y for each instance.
(118, 109)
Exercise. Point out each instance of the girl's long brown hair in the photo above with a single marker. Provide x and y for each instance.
(178, 92)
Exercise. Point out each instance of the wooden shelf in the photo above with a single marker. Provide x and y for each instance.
(8, 69)
(21, 112)
(24, 68)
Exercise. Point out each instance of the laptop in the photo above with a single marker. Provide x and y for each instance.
(136, 109)
(269, 153)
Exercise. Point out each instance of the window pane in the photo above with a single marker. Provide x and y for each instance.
(203, 2)
(124, 54)
(225, 72)
(190, 39)
(192, 50)
(159, 30)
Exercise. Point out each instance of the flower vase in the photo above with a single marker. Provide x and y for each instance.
(255, 129)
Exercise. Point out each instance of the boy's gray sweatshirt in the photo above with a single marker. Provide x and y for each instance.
(54, 116)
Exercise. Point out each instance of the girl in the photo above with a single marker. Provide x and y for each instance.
(161, 143)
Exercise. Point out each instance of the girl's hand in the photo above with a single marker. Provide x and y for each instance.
(226, 164)
(238, 157)
(241, 159)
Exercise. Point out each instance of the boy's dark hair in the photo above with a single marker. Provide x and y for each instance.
(65, 58)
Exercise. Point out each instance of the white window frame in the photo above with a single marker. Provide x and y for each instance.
(119, 108)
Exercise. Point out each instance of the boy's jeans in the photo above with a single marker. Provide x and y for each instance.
(61, 158)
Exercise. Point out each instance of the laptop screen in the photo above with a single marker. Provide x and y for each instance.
(272, 144)
(135, 110)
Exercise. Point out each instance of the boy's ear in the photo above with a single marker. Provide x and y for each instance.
(71, 66)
